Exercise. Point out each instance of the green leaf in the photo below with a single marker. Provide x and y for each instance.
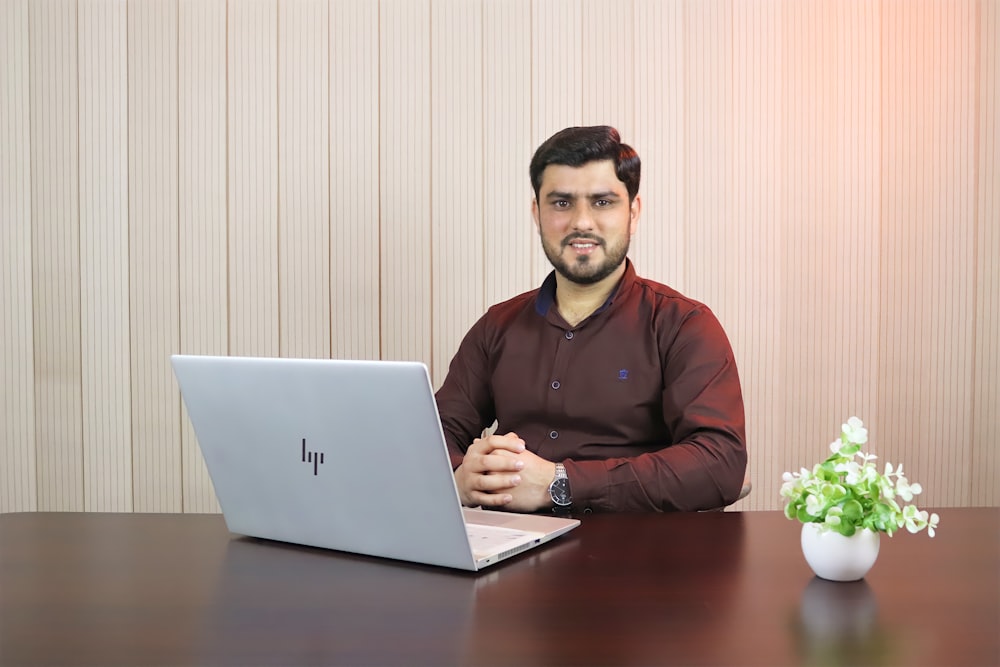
(853, 511)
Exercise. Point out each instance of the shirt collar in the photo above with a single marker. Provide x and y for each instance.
(547, 292)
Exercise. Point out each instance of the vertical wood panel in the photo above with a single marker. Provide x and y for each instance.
(927, 285)
(104, 256)
(831, 227)
(354, 179)
(755, 232)
(456, 175)
(811, 270)
(253, 178)
(607, 65)
(18, 488)
(153, 253)
(660, 139)
(55, 253)
(855, 161)
(405, 164)
(985, 460)
(202, 224)
(304, 178)
(710, 252)
(508, 230)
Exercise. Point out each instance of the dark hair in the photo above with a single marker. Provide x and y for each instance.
(576, 146)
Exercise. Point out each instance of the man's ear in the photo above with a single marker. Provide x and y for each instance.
(534, 211)
(635, 210)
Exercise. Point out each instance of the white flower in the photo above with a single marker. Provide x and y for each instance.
(852, 469)
(855, 431)
(886, 488)
(915, 520)
(906, 490)
(869, 474)
(932, 524)
(814, 506)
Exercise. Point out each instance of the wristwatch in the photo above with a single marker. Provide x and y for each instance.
(559, 488)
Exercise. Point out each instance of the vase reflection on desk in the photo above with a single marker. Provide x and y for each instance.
(838, 624)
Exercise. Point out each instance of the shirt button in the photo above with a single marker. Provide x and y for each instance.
(555, 384)
(553, 434)
(569, 335)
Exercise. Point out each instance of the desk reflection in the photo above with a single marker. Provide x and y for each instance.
(572, 603)
(283, 604)
(838, 624)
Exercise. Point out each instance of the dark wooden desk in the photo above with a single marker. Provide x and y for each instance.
(713, 588)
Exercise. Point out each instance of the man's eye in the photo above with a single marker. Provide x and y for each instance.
(602, 203)
(561, 203)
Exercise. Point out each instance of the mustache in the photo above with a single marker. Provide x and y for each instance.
(582, 237)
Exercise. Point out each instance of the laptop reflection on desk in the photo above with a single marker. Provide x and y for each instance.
(344, 455)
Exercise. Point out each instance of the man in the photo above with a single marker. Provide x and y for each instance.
(610, 392)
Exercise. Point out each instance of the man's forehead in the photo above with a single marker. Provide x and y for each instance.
(596, 176)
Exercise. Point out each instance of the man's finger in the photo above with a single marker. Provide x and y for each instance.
(495, 482)
(489, 499)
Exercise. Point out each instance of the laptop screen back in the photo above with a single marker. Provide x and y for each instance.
(345, 455)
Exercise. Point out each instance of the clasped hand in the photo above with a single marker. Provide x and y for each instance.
(499, 472)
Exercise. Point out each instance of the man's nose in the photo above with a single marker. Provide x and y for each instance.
(583, 220)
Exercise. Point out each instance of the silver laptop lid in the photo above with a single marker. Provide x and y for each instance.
(308, 451)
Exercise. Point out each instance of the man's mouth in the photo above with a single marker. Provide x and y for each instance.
(583, 246)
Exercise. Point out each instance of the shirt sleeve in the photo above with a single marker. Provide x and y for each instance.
(704, 463)
(464, 401)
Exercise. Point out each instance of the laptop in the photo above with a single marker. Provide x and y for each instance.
(344, 455)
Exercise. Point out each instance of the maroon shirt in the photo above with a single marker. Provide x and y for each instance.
(641, 401)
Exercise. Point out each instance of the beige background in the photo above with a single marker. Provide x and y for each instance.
(349, 179)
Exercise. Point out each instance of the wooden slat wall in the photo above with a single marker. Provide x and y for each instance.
(457, 261)
(304, 178)
(509, 236)
(928, 272)
(348, 178)
(829, 240)
(18, 449)
(405, 178)
(661, 112)
(55, 254)
(354, 180)
(104, 257)
(755, 307)
(254, 314)
(153, 253)
(984, 464)
(203, 260)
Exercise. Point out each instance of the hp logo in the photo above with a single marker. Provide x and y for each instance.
(315, 458)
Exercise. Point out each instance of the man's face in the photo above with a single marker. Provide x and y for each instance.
(585, 220)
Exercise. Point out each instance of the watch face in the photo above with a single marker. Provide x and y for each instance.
(559, 491)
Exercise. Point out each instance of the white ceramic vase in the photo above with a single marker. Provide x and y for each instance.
(837, 558)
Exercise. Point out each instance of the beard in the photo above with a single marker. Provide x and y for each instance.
(584, 270)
